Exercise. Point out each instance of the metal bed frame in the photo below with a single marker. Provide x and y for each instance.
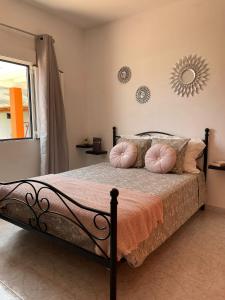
(40, 206)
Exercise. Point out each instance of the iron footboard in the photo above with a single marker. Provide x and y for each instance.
(39, 205)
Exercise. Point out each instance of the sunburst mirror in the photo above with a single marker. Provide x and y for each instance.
(189, 75)
(124, 74)
(143, 94)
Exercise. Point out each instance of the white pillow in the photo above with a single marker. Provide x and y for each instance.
(194, 149)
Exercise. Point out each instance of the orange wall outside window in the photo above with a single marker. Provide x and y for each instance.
(16, 110)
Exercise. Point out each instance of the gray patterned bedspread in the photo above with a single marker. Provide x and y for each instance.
(182, 195)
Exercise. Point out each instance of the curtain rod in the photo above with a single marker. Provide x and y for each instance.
(17, 29)
(23, 31)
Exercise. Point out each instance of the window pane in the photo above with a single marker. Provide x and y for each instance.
(14, 101)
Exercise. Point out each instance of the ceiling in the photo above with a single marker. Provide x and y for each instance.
(90, 13)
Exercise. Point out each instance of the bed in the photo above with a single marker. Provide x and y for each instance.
(47, 206)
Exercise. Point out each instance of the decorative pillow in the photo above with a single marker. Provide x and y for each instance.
(142, 147)
(164, 136)
(123, 155)
(135, 137)
(160, 158)
(180, 146)
(193, 151)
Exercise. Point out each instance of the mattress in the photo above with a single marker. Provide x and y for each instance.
(182, 195)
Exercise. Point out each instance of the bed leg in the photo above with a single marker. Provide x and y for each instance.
(202, 207)
(113, 281)
(113, 244)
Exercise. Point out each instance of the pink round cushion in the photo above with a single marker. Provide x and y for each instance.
(123, 155)
(160, 158)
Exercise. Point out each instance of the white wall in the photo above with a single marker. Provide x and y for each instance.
(69, 50)
(6, 127)
(151, 43)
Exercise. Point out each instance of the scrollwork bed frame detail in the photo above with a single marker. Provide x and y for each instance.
(40, 206)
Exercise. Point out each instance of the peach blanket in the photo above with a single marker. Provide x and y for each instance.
(138, 213)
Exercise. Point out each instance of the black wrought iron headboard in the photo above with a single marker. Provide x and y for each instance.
(206, 141)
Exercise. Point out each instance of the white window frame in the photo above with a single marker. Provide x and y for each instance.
(31, 95)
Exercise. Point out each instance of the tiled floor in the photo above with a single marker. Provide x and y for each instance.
(189, 266)
(6, 293)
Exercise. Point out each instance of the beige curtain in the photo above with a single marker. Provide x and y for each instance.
(52, 123)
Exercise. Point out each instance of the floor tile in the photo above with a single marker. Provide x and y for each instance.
(189, 266)
(7, 294)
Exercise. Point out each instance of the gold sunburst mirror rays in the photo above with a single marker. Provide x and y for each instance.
(189, 75)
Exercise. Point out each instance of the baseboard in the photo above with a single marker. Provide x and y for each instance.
(215, 208)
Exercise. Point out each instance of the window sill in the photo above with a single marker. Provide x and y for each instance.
(19, 139)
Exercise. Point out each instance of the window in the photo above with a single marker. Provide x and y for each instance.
(15, 100)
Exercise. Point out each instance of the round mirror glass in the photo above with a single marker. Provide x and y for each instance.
(188, 76)
(123, 74)
(142, 94)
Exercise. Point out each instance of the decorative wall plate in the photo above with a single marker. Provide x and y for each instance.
(143, 94)
(189, 75)
(124, 74)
